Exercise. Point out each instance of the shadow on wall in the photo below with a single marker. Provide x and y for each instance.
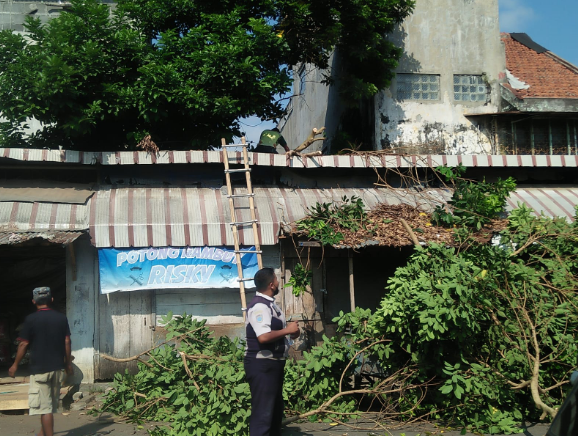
(347, 127)
(391, 115)
(335, 109)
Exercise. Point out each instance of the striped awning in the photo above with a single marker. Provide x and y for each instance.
(552, 202)
(169, 157)
(169, 216)
(40, 217)
(143, 217)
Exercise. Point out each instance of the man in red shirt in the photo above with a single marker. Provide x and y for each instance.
(48, 335)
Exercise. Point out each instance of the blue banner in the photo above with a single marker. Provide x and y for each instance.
(173, 268)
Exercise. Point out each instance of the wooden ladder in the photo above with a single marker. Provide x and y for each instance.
(236, 224)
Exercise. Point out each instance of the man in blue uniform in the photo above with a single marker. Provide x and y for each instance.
(267, 349)
(48, 335)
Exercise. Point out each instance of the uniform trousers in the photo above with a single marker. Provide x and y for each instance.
(265, 378)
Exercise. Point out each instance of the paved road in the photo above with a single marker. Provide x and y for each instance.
(79, 424)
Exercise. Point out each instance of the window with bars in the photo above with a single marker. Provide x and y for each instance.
(469, 88)
(544, 136)
(418, 87)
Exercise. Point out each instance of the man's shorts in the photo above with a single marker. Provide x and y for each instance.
(44, 392)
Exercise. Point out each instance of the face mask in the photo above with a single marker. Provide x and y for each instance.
(276, 291)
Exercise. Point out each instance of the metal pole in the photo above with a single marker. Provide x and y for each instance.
(532, 137)
(575, 139)
(568, 138)
(514, 145)
(550, 136)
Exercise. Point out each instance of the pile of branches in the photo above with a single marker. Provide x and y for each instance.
(390, 225)
(402, 225)
(194, 383)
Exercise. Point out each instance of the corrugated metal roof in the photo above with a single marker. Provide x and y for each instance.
(552, 202)
(39, 217)
(62, 238)
(44, 191)
(280, 160)
(143, 217)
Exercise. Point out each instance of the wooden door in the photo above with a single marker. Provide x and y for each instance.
(125, 321)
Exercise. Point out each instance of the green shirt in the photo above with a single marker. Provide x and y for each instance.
(271, 138)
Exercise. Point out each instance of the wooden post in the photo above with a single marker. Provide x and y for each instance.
(72, 260)
(283, 281)
(351, 285)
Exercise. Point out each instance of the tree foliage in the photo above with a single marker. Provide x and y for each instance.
(479, 336)
(494, 325)
(196, 384)
(473, 204)
(183, 71)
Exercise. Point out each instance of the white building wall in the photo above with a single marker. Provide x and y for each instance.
(444, 37)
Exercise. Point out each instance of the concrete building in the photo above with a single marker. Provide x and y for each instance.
(452, 66)
(13, 13)
(460, 88)
(539, 100)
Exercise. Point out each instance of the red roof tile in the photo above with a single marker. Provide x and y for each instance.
(547, 75)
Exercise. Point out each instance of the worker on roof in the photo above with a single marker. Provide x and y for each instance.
(269, 140)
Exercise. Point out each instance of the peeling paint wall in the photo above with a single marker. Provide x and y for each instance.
(81, 293)
(13, 13)
(444, 37)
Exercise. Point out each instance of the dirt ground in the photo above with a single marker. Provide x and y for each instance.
(79, 424)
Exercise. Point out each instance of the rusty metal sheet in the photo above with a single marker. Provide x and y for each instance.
(44, 191)
(200, 216)
(60, 238)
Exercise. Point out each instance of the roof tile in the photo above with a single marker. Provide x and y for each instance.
(547, 76)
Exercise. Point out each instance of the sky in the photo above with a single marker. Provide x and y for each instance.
(551, 23)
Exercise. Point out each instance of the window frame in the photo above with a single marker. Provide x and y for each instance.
(481, 82)
(409, 95)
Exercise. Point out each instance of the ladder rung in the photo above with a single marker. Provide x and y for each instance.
(243, 223)
(235, 145)
(244, 280)
(256, 251)
(242, 170)
(240, 195)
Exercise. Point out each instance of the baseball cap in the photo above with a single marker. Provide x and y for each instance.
(43, 291)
